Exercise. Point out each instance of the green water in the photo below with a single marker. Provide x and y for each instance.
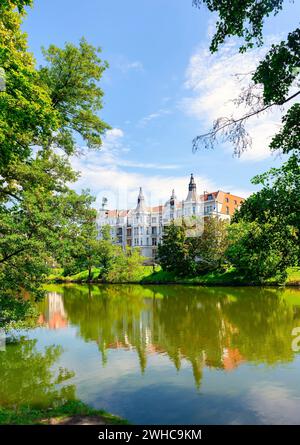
(162, 354)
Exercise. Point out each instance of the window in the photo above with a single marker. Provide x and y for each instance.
(194, 210)
(209, 197)
(153, 220)
(154, 242)
(226, 200)
(235, 201)
(154, 231)
(227, 210)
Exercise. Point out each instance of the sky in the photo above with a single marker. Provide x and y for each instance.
(162, 88)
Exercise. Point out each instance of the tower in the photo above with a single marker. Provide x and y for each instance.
(192, 194)
(140, 208)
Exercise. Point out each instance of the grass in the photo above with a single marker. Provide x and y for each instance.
(82, 277)
(228, 277)
(33, 416)
(145, 275)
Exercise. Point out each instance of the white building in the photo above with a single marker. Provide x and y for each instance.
(143, 226)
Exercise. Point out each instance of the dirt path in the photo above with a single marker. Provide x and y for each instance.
(77, 420)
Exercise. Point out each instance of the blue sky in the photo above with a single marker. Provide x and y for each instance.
(162, 88)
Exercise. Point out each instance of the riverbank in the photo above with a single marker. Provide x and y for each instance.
(71, 413)
(149, 276)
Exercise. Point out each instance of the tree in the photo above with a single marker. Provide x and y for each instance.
(125, 265)
(208, 249)
(71, 77)
(26, 112)
(278, 197)
(264, 234)
(275, 81)
(262, 251)
(43, 220)
(173, 252)
(40, 217)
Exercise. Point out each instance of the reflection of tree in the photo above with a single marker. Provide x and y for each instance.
(264, 322)
(27, 377)
(215, 327)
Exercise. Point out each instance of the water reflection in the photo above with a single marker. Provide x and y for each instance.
(219, 328)
(28, 377)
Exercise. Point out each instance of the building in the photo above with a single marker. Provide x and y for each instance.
(143, 226)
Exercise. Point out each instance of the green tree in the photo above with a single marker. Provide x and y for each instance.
(275, 81)
(71, 77)
(26, 112)
(125, 265)
(173, 251)
(264, 235)
(263, 250)
(209, 248)
(42, 221)
(278, 197)
(40, 217)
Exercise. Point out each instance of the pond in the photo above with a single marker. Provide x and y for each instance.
(162, 354)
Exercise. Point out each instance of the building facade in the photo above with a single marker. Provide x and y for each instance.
(143, 226)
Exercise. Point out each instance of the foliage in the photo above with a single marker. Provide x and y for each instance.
(173, 251)
(26, 113)
(278, 197)
(17, 312)
(28, 416)
(41, 218)
(274, 83)
(209, 248)
(188, 256)
(127, 266)
(261, 251)
(71, 77)
(243, 19)
(264, 234)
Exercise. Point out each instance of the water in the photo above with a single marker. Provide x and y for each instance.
(162, 354)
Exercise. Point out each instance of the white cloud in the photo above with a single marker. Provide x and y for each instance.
(104, 173)
(125, 65)
(211, 81)
(145, 120)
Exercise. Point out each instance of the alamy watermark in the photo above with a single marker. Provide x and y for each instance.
(2, 340)
(2, 80)
(296, 340)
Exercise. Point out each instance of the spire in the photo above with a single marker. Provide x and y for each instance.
(140, 202)
(192, 194)
(173, 199)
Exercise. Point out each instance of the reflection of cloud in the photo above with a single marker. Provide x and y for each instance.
(211, 81)
(274, 404)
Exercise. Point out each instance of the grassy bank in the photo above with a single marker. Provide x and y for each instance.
(73, 409)
(146, 275)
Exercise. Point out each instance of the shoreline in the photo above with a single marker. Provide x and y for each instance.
(183, 282)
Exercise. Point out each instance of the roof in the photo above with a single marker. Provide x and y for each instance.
(116, 213)
(155, 209)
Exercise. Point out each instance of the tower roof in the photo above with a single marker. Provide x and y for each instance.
(140, 202)
(192, 193)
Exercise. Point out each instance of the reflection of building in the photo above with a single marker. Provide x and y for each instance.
(55, 317)
(232, 358)
(143, 226)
